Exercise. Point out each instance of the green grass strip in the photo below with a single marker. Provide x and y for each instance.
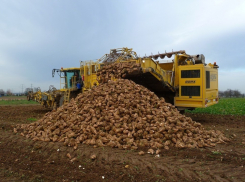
(226, 106)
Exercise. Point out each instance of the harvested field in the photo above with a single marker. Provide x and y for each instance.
(12, 98)
(25, 160)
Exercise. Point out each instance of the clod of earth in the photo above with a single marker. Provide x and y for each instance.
(121, 114)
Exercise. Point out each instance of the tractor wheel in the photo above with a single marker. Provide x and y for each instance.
(182, 111)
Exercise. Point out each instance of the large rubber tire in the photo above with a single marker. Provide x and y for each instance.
(182, 112)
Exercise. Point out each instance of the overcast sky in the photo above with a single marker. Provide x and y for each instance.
(39, 35)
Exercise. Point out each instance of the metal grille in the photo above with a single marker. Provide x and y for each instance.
(190, 90)
(190, 73)
(207, 79)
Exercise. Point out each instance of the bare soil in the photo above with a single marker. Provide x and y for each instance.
(13, 98)
(22, 159)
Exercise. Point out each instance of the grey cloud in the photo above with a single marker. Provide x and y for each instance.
(37, 36)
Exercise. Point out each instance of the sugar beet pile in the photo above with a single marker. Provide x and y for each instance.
(117, 70)
(120, 114)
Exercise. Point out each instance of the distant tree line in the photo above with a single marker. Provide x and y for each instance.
(230, 93)
(9, 92)
(2, 93)
(35, 89)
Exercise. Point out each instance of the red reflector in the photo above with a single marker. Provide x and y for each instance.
(83, 77)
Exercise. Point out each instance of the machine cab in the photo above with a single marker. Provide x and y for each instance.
(70, 78)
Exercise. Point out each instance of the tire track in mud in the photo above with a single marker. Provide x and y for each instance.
(166, 167)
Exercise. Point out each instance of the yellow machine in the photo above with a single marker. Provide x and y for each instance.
(49, 99)
(72, 82)
(186, 81)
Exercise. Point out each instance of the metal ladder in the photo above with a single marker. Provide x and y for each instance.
(67, 96)
(63, 84)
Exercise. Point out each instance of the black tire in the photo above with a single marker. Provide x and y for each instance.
(182, 111)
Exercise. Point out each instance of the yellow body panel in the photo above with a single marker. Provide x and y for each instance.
(207, 97)
(166, 66)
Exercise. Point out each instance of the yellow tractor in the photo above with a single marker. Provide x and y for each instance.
(185, 81)
(72, 82)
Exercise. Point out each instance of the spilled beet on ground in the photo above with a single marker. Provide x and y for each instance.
(23, 159)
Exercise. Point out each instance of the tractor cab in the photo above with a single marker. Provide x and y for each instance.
(70, 78)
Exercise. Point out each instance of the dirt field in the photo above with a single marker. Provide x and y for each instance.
(13, 98)
(22, 159)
